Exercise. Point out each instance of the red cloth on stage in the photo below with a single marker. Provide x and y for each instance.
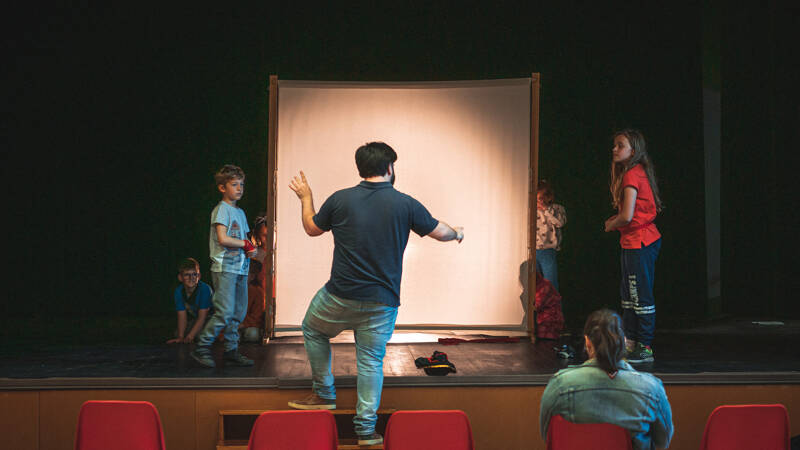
(491, 340)
(549, 318)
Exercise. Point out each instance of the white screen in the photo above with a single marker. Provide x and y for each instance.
(463, 152)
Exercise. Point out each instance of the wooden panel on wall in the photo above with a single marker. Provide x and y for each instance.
(209, 403)
(691, 406)
(19, 420)
(59, 414)
(501, 417)
(508, 417)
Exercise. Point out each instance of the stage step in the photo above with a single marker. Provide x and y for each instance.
(235, 426)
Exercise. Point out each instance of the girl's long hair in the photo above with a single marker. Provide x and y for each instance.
(604, 329)
(618, 170)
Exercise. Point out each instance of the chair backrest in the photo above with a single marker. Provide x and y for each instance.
(119, 425)
(422, 430)
(733, 427)
(294, 430)
(565, 435)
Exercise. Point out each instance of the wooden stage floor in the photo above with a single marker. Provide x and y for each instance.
(737, 352)
(498, 385)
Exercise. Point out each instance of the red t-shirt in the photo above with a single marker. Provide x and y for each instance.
(641, 231)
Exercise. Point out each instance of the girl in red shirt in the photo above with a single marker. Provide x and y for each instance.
(634, 193)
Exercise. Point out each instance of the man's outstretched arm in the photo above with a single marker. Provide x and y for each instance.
(444, 232)
(303, 191)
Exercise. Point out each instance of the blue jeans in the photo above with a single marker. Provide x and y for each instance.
(636, 290)
(230, 307)
(372, 324)
(547, 264)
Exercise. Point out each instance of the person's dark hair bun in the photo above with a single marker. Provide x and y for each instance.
(604, 329)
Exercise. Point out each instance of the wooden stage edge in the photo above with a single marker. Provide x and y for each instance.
(41, 384)
(501, 416)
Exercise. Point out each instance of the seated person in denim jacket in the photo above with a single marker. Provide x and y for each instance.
(606, 389)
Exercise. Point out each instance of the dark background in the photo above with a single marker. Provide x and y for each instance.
(117, 117)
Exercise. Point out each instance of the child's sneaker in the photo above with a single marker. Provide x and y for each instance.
(313, 401)
(641, 354)
(370, 439)
(237, 358)
(203, 357)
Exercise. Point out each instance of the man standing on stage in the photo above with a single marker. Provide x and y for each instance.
(371, 223)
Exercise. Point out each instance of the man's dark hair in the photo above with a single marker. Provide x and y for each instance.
(373, 159)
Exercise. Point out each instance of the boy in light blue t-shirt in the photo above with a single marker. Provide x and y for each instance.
(230, 251)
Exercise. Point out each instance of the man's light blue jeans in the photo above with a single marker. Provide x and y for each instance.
(372, 324)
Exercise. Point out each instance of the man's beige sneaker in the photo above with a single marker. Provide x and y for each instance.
(314, 401)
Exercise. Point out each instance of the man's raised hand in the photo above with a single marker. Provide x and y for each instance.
(300, 186)
(459, 233)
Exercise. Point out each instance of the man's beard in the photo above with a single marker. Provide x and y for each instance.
(392, 179)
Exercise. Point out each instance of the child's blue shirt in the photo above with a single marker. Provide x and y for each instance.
(200, 299)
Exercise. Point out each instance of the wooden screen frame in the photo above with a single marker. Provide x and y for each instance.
(534, 182)
(272, 168)
(272, 179)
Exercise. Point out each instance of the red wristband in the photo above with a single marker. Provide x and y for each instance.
(248, 246)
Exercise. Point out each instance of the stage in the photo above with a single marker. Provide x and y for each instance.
(733, 352)
(498, 384)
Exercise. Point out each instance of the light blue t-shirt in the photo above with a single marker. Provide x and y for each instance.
(231, 260)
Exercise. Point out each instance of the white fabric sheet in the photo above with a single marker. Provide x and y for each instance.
(463, 151)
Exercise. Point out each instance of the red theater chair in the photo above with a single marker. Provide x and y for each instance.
(565, 435)
(423, 430)
(294, 430)
(119, 425)
(733, 427)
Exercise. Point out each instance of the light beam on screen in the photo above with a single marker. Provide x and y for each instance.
(463, 152)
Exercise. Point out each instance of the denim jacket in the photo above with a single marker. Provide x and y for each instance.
(633, 400)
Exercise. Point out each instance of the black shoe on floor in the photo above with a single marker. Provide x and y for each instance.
(370, 439)
(237, 358)
(203, 357)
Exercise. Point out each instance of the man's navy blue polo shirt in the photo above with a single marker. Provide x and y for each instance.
(371, 223)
